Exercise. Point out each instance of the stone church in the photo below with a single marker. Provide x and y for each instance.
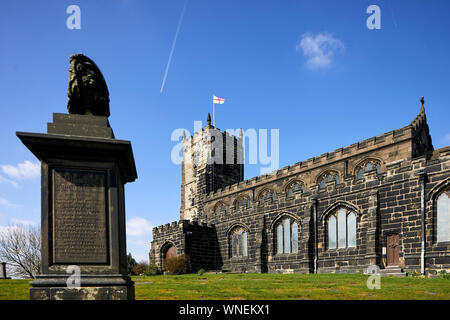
(384, 201)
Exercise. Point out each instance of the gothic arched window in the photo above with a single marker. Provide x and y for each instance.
(342, 229)
(267, 197)
(366, 166)
(238, 240)
(295, 187)
(242, 203)
(443, 216)
(287, 236)
(221, 208)
(328, 177)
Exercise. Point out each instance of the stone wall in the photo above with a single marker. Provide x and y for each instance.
(196, 240)
(205, 169)
(396, 198)
(385, 203)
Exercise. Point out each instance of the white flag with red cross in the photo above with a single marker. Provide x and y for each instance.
(217, 100)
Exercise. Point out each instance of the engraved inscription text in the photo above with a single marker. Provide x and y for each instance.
(79, 217)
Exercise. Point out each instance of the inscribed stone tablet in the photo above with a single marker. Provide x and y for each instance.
(79, 217)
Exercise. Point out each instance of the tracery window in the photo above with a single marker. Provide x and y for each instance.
(295, 187)
(367, 166)
(342, 229)
(238, 241)
(287, 236)
(328, 177)
(443, 216)
(267, 197)
(242, 203)
(221, 208)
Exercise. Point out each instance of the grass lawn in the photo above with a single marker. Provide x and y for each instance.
(266, 286)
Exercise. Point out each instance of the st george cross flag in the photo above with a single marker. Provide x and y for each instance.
(217, 100)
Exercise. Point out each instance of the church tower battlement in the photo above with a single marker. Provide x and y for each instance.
(212, 160)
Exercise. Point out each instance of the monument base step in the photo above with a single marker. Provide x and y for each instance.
(83, 293)
(91, 287)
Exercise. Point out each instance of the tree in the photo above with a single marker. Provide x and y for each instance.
(140, 268)
(131, 263)
(20, 247)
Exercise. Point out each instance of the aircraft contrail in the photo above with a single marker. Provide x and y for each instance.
(392, 13)
(173, 46)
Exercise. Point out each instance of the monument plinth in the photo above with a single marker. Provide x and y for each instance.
(83, 173)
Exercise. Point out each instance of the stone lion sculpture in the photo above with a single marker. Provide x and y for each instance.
(88, 93)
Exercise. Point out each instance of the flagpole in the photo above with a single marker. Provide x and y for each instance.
(214, 115)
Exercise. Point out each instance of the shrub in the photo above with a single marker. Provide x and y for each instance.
(413, 274)
(176, 265)
(201, 272)
(444, 275)
(140, 268)
(152, 270)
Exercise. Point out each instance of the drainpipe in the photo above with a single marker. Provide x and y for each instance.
(315, 233)
(422, 180)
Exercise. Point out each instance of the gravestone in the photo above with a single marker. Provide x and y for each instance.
(83, 173)
(3, 274)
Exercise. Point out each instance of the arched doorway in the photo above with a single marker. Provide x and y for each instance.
(168, 251)
(171, 252)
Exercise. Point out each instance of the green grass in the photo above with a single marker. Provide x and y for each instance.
(14, 289)
(267, 286)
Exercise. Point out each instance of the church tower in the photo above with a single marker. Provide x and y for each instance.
(212, 160)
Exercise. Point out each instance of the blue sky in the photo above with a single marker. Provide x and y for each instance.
(311, 69)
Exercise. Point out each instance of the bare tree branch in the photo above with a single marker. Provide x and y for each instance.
(20, 248)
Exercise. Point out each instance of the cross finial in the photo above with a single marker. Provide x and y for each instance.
(422, 100)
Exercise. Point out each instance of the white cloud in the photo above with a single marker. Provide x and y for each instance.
(140, 249)
(24, 170)
(139, 235)
(8, 181)
(320, 49)
(23, 222)
(6, 229)
(20, 224)
(5, 202)
(139, 227)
